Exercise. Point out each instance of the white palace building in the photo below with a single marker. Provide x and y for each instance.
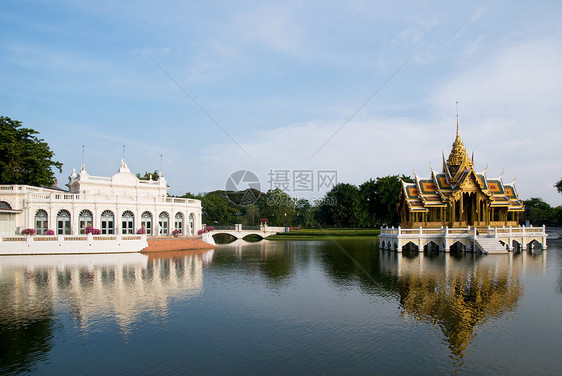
(117, 205)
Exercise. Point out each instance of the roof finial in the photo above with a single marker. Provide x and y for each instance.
(83, 167)
(457, 118)
(123, 152)
(161, 173)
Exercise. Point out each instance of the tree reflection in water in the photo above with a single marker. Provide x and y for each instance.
(26, 339)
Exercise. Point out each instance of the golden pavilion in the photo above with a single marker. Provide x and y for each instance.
(459, 196)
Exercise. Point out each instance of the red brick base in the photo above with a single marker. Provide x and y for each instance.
(169, 243)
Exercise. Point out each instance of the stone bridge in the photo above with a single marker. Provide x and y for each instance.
(238, 231)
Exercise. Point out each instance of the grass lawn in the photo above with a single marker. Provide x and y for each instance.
(319, 233)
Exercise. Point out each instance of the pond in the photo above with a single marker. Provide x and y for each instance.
(283, 307)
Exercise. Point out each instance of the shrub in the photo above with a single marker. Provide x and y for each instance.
(176, 233)
(28, 231)
(141, 231)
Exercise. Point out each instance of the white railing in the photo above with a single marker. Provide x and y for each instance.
(99, 178)
(68, 238)
(465, 231)
(50, 197)
(177, 200)
(23, 189)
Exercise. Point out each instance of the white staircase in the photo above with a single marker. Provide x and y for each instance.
(490, 245)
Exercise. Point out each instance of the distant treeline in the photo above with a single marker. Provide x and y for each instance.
(370, 204)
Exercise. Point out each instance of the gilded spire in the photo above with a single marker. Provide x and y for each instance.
(458, 156)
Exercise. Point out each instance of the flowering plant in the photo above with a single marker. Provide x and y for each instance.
(50, 232)
(28, 231)
(264, 220)
(141, 231)
(206, 229)
(176, 232)
(91, 230)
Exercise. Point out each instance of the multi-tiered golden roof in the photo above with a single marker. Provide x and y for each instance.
(459, 196)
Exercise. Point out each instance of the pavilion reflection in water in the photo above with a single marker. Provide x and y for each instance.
(93, 287)
(459, 294)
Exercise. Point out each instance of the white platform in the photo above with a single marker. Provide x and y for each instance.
(71, 244)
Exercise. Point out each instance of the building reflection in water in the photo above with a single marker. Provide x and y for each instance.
(94, 287)
(459, 294)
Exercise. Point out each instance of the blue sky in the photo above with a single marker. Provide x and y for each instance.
(282, 77)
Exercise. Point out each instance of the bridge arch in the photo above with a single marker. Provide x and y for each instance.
(458, 246)
(410, 246)
(532, 243)
(431, 245)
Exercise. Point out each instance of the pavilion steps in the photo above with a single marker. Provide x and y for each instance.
(490, 245)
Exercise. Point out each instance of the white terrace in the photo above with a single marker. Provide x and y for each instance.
(483, 239)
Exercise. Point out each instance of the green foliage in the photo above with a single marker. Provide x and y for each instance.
(304, 213)
(558, 186)
(278, 207)
(541, 213)
(379, 200)
(216, 210)
(341, 206)
(147, 175)
(24, 158)
(190, 195)
(251, 215)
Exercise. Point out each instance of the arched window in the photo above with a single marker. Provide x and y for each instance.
(178, 223)
(85, 219)
(5, 205)
(128, 222)
(146, 222)
(163, 223)
(107, 222)
(191, 224)
(63, 222)
(41, 222)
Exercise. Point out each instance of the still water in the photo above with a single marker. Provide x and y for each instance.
(315, 307)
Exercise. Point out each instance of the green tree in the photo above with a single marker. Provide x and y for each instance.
(251, 215)
(379, 200)
(216, 210)
(304, 213)
(24, 158)
(341, 206)
(559, 186)
(386, 196)
(539, 212)
(368, 197)
(278, 207)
